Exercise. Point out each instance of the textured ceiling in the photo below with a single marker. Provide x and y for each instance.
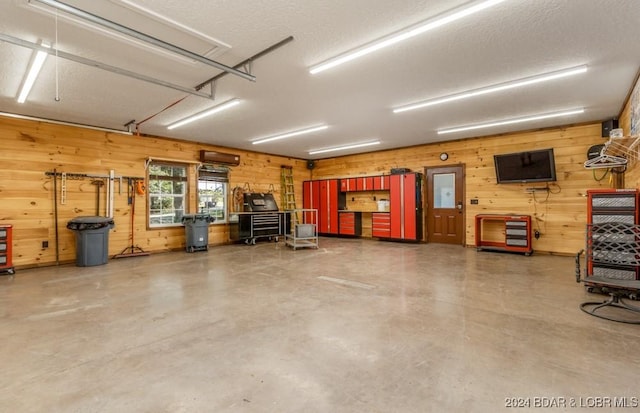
(512, 40)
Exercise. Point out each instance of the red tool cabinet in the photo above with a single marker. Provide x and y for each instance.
(405, 206)
(612, 233)
(350, 223)
(324, 196)
(6, 262)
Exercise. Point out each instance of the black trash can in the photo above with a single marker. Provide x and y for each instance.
(196, 231)
(92, 239)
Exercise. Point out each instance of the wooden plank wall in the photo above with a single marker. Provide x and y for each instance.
(632, 175)
(28, 149)
(560, 217)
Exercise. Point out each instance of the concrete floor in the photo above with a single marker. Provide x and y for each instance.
(355, 326)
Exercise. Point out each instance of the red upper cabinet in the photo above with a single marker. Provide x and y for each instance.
(405, 207)
(348, 184)
(365, 183)
(381, 183)
(368, 183)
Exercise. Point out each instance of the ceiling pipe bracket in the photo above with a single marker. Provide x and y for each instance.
(213, 87)
(244, 62)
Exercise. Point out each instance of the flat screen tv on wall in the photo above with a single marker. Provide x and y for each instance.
(521, 167)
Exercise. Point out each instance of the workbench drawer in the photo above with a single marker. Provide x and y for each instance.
(350, 223)
(381, 225)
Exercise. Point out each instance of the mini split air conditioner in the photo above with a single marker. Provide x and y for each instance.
(219, 158)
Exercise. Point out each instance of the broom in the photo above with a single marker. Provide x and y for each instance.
(132, 250)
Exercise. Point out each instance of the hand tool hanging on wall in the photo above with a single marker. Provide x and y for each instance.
(55, 215)
(132, 250)
(63, 188)
(110, 190)
(98, 184)
(139, 186)
(129, 190)
(111, 177)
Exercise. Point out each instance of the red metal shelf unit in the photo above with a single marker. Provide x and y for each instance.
(517, 233)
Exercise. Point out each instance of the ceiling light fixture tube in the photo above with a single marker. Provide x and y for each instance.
(405, 34)
(208, 112)
(511, 121)
(495, 88)
(344, 147)
(34, 71)
(290, 134)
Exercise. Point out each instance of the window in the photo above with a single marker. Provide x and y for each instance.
(212, 192)
(167, 188)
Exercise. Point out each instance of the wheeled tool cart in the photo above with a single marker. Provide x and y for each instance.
(304, 229)
(261, 219)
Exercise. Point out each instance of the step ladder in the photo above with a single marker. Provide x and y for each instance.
(287, 188)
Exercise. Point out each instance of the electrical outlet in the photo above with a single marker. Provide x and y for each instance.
(536, 234)
(45, 244)
(474, 201)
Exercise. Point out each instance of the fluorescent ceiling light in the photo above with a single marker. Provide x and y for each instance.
(343, 148)
(290, 134)
(405, 34)
(495, 88)
(34, 71)
(208, 112)
(512, 121)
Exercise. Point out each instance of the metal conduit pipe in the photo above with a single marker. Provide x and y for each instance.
(247, 61)
(141, 36)
(65, 123)
(113, 69)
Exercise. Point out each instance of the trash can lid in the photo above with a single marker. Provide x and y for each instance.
(91, 220)
(85, 223)
(197, 217)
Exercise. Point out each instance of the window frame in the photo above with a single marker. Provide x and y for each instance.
(152, 177)
(220, 176)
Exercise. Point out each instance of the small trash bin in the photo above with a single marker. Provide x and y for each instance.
(92, 239)
(196, 231)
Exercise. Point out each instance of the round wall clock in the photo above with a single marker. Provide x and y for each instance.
(444, 156)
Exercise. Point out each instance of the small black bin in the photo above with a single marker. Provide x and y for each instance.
(92, 239)
(196, 231)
